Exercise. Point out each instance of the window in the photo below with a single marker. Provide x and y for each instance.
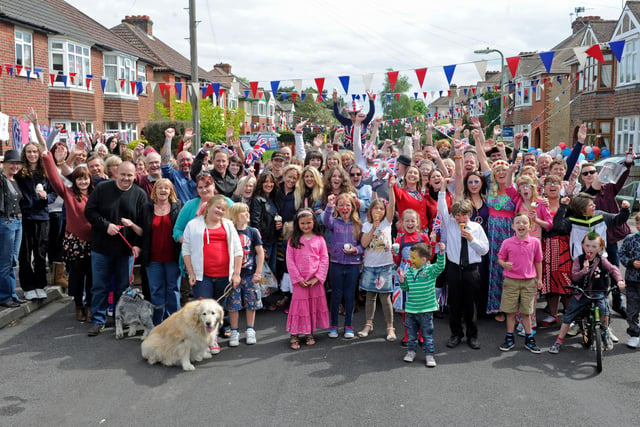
(72, 128)
(597, 76)
(538, 91)
(67, 58)
(523, 93)
(599, 133)
(254, 109)
(627, 133)
(129, 131)
(120, 67)
(630, 63)
(24, 50)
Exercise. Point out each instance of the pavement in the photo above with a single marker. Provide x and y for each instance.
(10, 315)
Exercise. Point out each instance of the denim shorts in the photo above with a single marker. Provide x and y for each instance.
(247, 296)
(377, 279)
(577, 306)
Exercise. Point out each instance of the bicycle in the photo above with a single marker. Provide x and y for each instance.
(590, 323)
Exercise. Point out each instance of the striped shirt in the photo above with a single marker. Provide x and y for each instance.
(421, 287)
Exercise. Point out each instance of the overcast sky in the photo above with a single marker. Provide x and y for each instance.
(268, 40)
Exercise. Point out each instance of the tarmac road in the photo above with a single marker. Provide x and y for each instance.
(53, 374)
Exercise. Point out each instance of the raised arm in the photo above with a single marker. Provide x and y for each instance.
(165, 152)
(357, 141)
(300, 150)
(33, 118)
(459, 172)
(391, 207)
(429, 134)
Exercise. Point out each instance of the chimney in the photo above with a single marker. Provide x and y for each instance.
(141, 21)
(224, 67)
(583, 21)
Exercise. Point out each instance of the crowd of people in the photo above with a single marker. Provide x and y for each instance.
(464, 226)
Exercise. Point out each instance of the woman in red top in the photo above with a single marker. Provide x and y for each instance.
(409, 196)
(76, 246)
(160, 252)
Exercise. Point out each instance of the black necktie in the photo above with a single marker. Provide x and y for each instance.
(464, 252)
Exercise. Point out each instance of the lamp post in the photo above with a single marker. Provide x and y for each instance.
(488, 50)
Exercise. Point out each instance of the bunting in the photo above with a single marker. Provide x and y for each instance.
(448, 72)
(421, 73)
(513, 65)
(393, 78)
(617, 48)
(547, 59)
(344, 81)
(595, 52)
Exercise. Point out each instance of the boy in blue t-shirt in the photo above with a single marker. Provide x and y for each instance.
(247, 294)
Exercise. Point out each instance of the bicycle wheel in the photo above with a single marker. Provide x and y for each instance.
(586, 333)
(597, 335)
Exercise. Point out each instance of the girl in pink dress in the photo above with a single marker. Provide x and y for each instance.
(308, 264)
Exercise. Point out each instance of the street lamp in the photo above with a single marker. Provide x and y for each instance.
(488, 50)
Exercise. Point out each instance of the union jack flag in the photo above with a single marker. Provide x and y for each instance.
(386, 165)
(258, 150)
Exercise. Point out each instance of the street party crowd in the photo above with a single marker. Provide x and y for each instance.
(462, 227)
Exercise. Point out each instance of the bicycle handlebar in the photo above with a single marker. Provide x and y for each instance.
(606, 292)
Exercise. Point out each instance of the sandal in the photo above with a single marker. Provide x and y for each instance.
(363, 333)
(499, 317)
(310, 340)
(391, 334)
(294, 342)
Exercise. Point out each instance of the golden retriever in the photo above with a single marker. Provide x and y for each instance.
(185, 336)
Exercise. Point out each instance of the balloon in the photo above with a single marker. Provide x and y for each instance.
(582, 151)
(531, 149)
(588, 149)
(559, 156)
(596, 150)
(605, 153)
(538, 151)
(581, 157)
(591, 156)
(562, 145)
(566, 152)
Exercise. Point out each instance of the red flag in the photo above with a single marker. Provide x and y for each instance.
(18, 69)
(513, 64)
(398, 96)
(52, 78)
(319, 98)
(254, 88)
(421, 72)
(88, 82)
(294, 95)
(595, 52)
(473, 89)
(163, 86)
(393, 78)
(121, 83)
(448, 94)
(424, 94)
(209, 91)
(133, 87)
(260, 93)
(320, 85)
(73, 77)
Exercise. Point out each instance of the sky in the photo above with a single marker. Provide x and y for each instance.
(267, 40)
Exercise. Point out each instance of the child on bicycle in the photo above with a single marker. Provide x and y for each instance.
(589, 272)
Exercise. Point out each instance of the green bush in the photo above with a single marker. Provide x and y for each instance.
(154, 133)
(286, 137)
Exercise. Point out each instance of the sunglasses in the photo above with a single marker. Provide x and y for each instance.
(591, 172)
(355, 174)
(552, 183)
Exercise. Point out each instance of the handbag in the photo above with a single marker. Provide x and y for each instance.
(268, 281)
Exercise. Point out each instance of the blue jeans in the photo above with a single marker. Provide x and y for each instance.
(10, 239)
(165, 292)
(420, 322)
(106, 267)
(210, 287)
(344, 279)
(271, 253)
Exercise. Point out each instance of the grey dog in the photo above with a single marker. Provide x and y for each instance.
(134, 310)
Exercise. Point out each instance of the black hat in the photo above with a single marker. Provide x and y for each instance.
(404, 160)
(494, 149)
(12, 156)
(278, 155)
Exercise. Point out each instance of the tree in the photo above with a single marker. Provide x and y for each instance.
(214, 120)
(491, 111)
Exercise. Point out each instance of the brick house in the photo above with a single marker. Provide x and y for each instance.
(64, 46)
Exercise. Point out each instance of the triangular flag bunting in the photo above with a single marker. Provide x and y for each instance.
(133, 87)
(103, 83)
(513, 65)
(274, 87)
(246, 94)
(254, 88)
(580, 53)
(73, 77)
(209, 91)
(87, 81)
(448, 71)
(398, 96)
(617, 47)
(64, 80)
(154, 84)
(424, 94)
(481, 67)
(388, 95)
(19, 70)
(547, 59)
(179, 89)
(303, 95)
(163, 87)
(294, 95)
(297, 83)
(216, 89)
(52, 78)
(140, 87)
(421, 73)
(28, 75)
(415, 95)
(344, 81)
(393, 78)
(366, 79)
(595, 52)
(283, 96)
(320, 84)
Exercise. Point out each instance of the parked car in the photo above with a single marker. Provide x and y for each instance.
(617, 159)
(248, 141)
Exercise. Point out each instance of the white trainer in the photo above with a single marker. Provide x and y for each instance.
(633, 342)
(430, 361)
(234, 339)
(410, 356)
(251, 336)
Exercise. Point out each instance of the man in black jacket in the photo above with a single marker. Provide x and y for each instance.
(114, 209)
